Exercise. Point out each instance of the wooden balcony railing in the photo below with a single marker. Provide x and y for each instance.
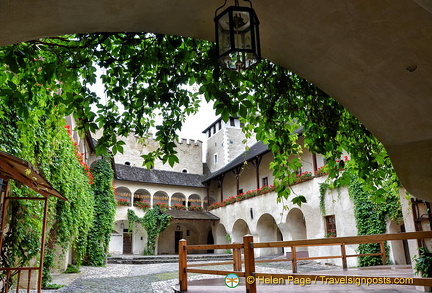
(248, 247)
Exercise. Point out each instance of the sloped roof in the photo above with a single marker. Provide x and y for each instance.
(191, 215)
(12, 167)
(144, 175)
(256, 150)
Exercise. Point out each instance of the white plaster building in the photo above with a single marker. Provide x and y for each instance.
(235, 171)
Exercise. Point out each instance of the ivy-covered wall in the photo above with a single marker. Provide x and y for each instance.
(41, 137)
(104, 212)
(154, 221)
(371, 211)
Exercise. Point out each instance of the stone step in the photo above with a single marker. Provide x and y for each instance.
(149, 259)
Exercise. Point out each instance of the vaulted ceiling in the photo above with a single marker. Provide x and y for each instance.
(374, 57)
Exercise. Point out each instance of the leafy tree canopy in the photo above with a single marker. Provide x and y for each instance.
(147, 75)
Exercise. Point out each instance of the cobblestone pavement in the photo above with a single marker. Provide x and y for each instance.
(151, 278)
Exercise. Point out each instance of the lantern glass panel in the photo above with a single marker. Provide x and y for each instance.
(224, 34)
(241, 26)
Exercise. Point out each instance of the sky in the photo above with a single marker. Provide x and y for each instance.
(194, 125)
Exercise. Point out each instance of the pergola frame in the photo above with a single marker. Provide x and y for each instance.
(13, 168)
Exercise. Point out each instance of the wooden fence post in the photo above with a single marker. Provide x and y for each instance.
(237, 258)
(344, 258)
(383, 253)
(249, 258)
(294, 259)
(183, 265)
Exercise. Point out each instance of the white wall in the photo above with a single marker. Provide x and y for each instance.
(337, 203)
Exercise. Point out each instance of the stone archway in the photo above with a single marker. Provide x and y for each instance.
(123, 196)
(194, 200)
(178, 199)
(296, 225)
(220, 237)
(240, 228)
(141, 195)
(208, 202)
(160, 198)
(268, 231)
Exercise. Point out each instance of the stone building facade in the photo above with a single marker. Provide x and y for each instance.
(230, 171)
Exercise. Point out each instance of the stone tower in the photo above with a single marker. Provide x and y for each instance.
(225, 141)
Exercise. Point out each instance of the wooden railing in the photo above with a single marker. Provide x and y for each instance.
(248, 247)
(11, 278)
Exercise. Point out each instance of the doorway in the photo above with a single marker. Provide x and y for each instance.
(177, 237)
(127, 242)
(210, 240)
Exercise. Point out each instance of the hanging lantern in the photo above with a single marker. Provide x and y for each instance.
(237, 37)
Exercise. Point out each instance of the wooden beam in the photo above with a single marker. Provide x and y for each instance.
(183, 265)
(215, 272)
(249, 258)
(376, 238)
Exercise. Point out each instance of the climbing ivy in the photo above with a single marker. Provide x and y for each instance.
(423, 264)
(323, 187)
(370, 210)
(104, 212)
(70, 221)
(152, 74)
(37, 134)
(154, 221)
(371, 219)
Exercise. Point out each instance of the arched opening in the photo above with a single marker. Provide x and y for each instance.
(121, 238)
(167, 242)
(239, 230)
(141, 196)
(208, 202)
(296, 226)
(221, 237)
(268, 230)
(194, 200)
(178, 200)
(160, 198)
(123, 196)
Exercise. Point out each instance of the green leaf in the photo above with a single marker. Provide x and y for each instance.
(298, 200)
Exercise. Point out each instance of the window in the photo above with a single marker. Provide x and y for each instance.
(219, 125)
(184, 171)
(232, 122)
(215, 158)
(265, 181)
(330, 226)
(209, 133)
(127, 163)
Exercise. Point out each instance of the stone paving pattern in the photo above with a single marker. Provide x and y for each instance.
(160, 278)
(152, 278)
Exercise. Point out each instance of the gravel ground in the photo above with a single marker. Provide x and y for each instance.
(151, 278)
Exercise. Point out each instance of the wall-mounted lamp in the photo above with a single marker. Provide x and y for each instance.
(178, 228)
(237, 36)
(122, 226)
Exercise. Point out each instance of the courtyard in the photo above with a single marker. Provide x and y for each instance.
(162, 277)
